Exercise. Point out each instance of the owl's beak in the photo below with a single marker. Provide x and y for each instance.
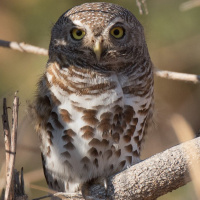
(97, 49)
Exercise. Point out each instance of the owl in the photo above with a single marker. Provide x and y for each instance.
(95, 98)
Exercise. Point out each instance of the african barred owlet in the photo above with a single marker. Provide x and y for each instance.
(95, 99)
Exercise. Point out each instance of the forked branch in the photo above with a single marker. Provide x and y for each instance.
(14, 186)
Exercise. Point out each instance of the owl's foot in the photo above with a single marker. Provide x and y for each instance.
(86, 186)
(85, 190)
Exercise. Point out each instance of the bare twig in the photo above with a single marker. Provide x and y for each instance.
(6, 130)
(19, 186)
(25, 147)
(189, 5)
(184, 132)
(22, 181)
(2, 179)
(177, 76)
(23, 47)
(44, 189)
(14, 183)
(142, 6)
(33, 176)
(9, 192)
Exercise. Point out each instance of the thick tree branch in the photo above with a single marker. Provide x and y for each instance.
(41, 51)
(155, 176)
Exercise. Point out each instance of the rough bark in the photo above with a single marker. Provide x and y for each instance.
(155, 176)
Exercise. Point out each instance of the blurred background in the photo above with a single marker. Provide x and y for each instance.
(173, 37)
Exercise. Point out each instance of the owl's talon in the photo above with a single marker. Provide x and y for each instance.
(105, 181)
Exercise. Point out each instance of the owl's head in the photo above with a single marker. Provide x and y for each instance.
(97, 35)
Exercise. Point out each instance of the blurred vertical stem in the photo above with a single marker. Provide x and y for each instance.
(10, 138)
(6, 130)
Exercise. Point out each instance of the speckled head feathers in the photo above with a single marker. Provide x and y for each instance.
(99, 13)
(97, 20)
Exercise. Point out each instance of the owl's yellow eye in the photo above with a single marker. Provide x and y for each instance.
(77, 34)
(117, 32)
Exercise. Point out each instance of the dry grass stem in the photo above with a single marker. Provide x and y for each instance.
(184, 133)
(2, 177)
(12, 137)
(44, 189)
(34, 176)
(6, 130)
(142, 6)
(189, 5)
(14, 188)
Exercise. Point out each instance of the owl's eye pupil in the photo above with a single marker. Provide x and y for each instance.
(116, 32)
(79, 32)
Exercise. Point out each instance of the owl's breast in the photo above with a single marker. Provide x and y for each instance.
(93, 127)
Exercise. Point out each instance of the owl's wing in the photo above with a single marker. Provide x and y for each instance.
(52, 182)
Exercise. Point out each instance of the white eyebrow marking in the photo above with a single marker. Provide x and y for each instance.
(86, 27)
